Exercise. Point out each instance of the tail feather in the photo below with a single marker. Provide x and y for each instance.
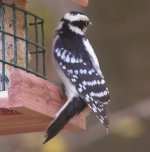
(74, 107)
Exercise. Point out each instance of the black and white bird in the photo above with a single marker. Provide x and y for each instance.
(79, 71)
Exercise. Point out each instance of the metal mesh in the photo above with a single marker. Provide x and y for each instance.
(32, 40)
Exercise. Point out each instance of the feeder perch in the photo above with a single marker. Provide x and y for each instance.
(30, 102)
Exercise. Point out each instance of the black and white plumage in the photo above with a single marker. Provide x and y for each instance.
(79, 71)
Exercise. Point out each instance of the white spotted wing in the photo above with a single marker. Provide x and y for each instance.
(78, 66)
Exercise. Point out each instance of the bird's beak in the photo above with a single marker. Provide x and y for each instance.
(90, 23)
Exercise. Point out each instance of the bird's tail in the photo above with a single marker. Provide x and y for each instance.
(70, 109)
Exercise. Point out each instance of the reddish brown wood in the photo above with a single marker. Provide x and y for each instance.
(82, 2)
(33, 103)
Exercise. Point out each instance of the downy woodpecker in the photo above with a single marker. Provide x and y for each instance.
(79, 71)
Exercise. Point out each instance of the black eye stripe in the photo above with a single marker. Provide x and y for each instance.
(80, 24)
(76, 22)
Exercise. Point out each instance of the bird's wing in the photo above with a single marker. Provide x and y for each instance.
(89, 83)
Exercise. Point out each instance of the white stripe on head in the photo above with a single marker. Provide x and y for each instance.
(75, 29)
(71, 17)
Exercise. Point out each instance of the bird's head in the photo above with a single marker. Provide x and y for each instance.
(76, 21)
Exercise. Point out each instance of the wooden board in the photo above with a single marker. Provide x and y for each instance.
(82, 2)
(33, 103)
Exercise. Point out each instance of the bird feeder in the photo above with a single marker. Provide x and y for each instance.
(31, 101)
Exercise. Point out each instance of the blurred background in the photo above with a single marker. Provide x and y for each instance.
(121, 39)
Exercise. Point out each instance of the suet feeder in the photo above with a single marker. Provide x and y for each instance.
(30, 102)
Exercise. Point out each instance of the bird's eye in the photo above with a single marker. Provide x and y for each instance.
(87, 23)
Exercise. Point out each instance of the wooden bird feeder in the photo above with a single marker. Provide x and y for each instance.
(31, 102)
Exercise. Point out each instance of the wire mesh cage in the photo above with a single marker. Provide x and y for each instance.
(21, 43)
